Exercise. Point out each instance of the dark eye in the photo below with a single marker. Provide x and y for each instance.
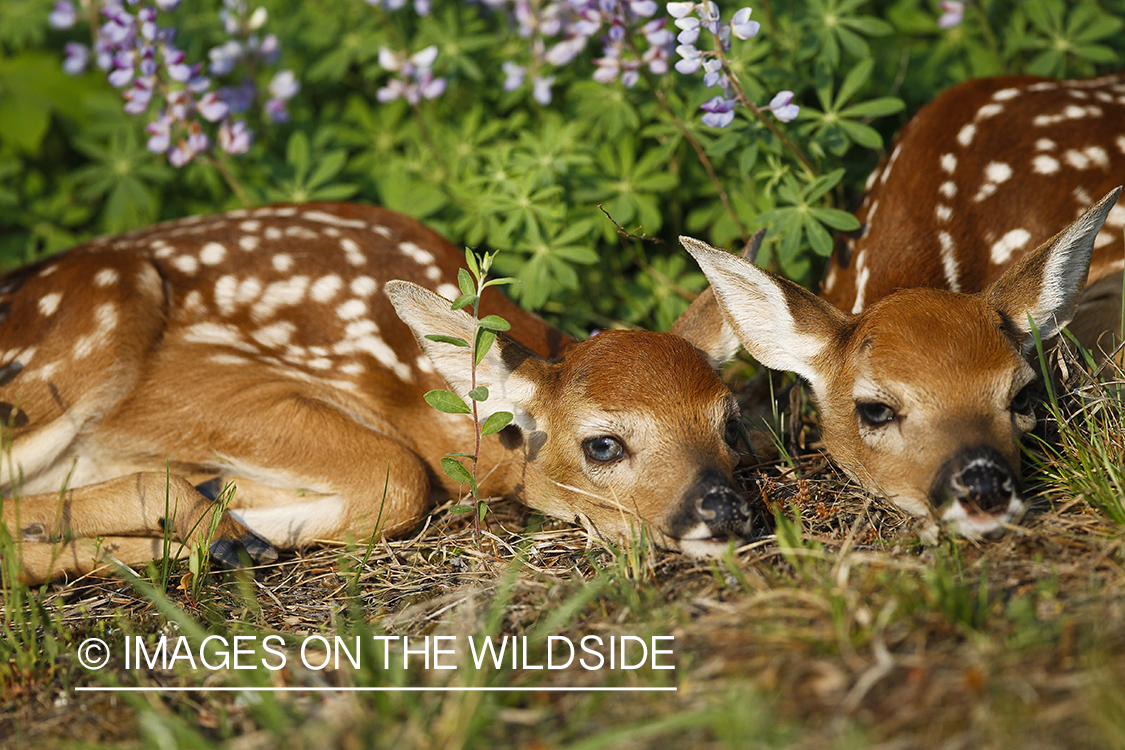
(734, 432)
(603, 449)
(1022, 402)
(874, 414)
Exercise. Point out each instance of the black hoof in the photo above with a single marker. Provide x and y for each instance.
(250, 549)
(211, 488)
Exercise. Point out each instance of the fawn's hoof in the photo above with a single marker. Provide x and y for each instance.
(236, 553)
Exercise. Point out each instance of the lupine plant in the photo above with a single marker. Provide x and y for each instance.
(579, 136)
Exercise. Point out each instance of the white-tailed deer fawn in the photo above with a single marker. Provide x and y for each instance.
(923, 381)
(261, 347)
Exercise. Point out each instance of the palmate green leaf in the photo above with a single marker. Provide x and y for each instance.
(881, 107)
(495, 423)
(297, 154)
(447, 402)
(455, 340)
(864, 135)
(839, 220)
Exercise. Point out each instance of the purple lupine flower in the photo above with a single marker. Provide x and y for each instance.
(720, 111)
(513, 75)
(234, 138)
(138, 97)
(225, 57)
(212, 107)
(741, 25)
(680, 10)
(63, 16)
(713, 73)
(77, 58)
(689, 33)
(284, 85)
(692, 59)
(160, 132)
(952, 14)
(541, 88)
(782, 106)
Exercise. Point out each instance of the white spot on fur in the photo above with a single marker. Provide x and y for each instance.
(282, 262)
(228, 359)
(250, 226)
(275, 334)
(226, 290)
(995, 174)
(212, 254)
(218, 334)
(943, 212)
(106, 277)
(433, 273)
(966, 133)
(320, 363)
(1083, 198)
(352, 252)
(948, 189)
(193, 302)
(416, 253)
(273, 233)
(1121, 143)
(248, 291)
(1116, 217)
(1004, 95)
(382, 231)
(988, 110)
(248, 242)
(1044, 164)
(363, 286)
(448, 291)
(300, 232)
(1003, 248)
(1045, 144)
(352, 309)
(186, 263)
(352, 368)
(325, 288)
(948, 163)
(48, 303)
(424, 364)
(332, 219)
(1043, 86)
(1076, 159)
(280, 294)
(949, 264)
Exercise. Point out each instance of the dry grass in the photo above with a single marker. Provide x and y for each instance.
(839, 630)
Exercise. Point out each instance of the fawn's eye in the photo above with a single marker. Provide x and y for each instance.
(733, 432)
(874, 414)
(603, 449)
(1022, 401)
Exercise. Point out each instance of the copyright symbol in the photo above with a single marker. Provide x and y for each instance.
(93, 653)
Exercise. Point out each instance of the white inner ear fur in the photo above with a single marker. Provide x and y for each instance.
(1064, 276)
(756, 308)
(429, 314)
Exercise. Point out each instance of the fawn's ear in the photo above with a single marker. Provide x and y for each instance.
(703, 324)
(510, 371)
(781, 324)
(1043, 287)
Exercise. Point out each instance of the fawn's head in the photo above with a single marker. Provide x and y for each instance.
(624, 430)
(924, 395)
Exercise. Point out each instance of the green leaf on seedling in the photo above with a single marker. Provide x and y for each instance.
(485, 339)
(447, 402)
(482, 511)
(496, 422)
(480, 393)
(457, 471)
(461, 509)
(465, 282)
(503, 280)
(464, 301)
(494, 323)
(455, 340)
(471, 262)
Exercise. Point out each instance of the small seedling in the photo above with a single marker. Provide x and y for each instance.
(472, 283)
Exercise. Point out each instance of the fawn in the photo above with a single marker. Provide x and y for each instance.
(262, 347)
(917, 352)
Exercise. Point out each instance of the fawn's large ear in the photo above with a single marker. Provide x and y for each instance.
(703, 324)
(1043, 287)
(781, 324)
(510, 371)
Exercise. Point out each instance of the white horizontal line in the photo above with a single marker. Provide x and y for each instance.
(321, 689)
